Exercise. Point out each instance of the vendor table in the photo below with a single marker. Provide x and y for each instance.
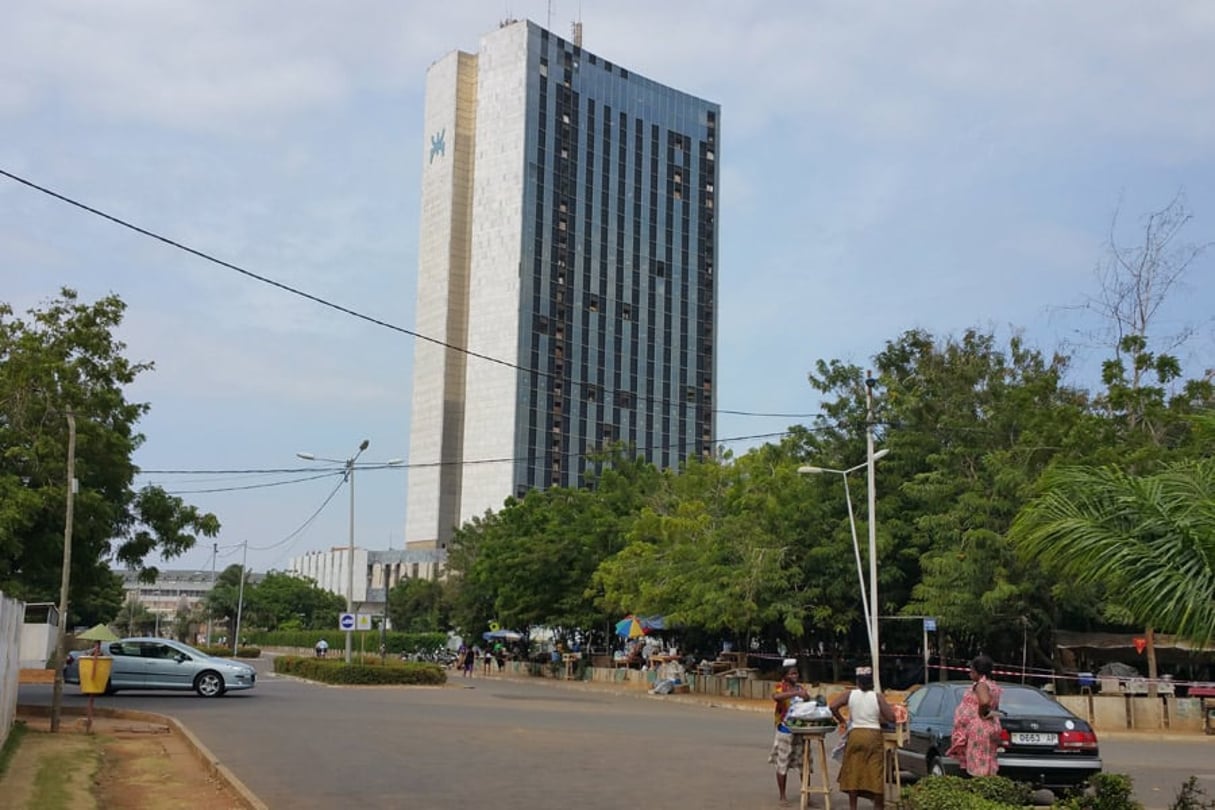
(892, 741)
(815, 743)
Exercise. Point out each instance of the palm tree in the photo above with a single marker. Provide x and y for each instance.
(1149, 539)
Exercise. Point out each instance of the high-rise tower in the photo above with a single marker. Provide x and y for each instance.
(568, 230)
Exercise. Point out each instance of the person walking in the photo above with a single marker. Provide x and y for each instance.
(468, 661)
(976, 724)
(786, 746)
(322, 647)
(863, 771)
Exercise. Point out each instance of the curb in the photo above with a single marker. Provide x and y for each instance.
(214, 767)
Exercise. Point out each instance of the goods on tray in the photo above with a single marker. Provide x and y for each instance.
(809, 715)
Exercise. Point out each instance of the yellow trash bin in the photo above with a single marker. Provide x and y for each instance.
(94, 673)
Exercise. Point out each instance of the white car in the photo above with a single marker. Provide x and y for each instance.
(161, 663)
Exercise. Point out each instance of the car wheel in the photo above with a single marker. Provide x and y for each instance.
(934, 767)
(209, 684)
(109, 687)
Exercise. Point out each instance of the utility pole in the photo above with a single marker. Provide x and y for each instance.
(874, 644)
(240, 599)
(61, 631)
(214, 554)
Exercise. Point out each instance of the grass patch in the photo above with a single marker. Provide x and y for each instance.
(50, 788)
(11, 745)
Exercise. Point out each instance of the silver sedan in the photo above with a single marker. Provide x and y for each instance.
(161, 663)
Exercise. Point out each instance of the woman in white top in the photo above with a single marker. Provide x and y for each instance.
(862, 772)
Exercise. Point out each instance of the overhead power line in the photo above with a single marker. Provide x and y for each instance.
(316, 299)
(252, 486)
(307, 522)
(383, 466)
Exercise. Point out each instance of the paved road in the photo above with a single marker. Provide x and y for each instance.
(512, 745)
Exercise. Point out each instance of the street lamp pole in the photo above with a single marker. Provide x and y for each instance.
(350, 551)
(349, 463)
(856, 546)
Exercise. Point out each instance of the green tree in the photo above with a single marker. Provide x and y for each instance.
(283, 597)
(64, 358)
(1150, 539)
(970, 425)
(224, 598)
(135, 619)
(704, 554)
(418, 606)
(532, 562)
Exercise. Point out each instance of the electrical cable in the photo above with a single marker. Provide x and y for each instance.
(307, 522)
(251, 486)
(410, 466)
(651, 399)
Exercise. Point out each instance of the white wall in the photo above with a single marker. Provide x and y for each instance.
(12, 614)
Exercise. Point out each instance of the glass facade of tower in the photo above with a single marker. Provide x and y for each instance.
(617, 310)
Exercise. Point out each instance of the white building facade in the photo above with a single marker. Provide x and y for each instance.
(568, 241)
(375, 572)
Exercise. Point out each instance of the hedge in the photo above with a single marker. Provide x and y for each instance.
(216, 651)
(1107, 791)
(364, 670)
(956, 793)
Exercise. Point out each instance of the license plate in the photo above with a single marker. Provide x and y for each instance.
(1033, 738)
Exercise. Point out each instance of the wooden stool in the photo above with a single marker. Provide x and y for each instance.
(892, 778)
(815, 743)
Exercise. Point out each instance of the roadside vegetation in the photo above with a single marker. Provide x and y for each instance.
(363, 670)
(1107, 792)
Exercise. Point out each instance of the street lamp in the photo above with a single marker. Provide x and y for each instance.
(869, 604)
(349, 464)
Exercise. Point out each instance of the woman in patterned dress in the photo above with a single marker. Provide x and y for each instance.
(976, 725)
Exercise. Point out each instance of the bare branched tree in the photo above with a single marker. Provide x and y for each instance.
(1135, 280)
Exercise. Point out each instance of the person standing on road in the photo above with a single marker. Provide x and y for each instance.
(786, 747)
(466, 661)
(863, 771)
(976, 725)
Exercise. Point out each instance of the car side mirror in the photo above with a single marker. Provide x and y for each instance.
(181, 658)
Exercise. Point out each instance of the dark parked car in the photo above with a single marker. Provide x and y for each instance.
(161, 663)
(1044, 744)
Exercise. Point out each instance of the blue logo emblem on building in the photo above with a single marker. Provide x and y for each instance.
(438, 144)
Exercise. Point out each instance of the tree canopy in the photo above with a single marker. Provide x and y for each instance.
(63, 358)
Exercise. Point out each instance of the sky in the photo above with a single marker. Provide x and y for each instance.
(936, 165)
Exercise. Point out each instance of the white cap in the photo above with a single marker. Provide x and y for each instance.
(789, 662)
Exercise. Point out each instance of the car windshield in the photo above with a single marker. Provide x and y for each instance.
(1021, 700)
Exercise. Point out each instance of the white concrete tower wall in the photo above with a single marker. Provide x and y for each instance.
(436, 427)
(494, 281)
(328, 570)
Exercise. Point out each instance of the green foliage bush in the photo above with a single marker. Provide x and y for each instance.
(396, 643)
(365, 670)
(226, 652)
(956, 793)
(1110, 791)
